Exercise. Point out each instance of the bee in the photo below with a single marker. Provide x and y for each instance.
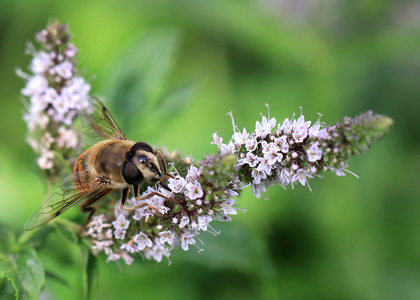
(115, 163)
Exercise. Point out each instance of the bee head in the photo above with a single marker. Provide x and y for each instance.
(141, 163)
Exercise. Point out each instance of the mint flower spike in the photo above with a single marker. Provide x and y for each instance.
(283, 153)
(55, 95)
(294, 151)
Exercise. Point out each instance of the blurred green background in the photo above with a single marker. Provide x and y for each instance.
(347, 239)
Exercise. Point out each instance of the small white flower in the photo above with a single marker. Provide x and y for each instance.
(127, 258)
(65, 69)
(216, 139)
(258, 175)
(35, 86)
(176, 184)
(251, 144)
(262, 129)
(258, 189)
(194, 173)
(167, 237)
(287, 126)
(184, 221)
(301, 129)
(130, 247)
(70, 50)
(250, 159)
(193, 190)
(67, 138)
(119, 233)
(46, 162)
(113, 257)
(314, 153)
(142, 241)
(240, 138)
(46, 140)
(121, 222)
(301, 176)
(227, 208)
(264, 165)
(40, 63)
(187, 238)
(323, 134)
(227, 149)
(314, 130)
(203, 222)
(282, 142)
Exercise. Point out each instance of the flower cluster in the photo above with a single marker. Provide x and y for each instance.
(285, 153)
(294, 151)
(173, 216)
(56, 96)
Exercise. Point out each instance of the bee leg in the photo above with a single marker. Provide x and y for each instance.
(124, 197)
(162, 161)
(134, 207)
(164, 166)
(136, 191)
(86, 207)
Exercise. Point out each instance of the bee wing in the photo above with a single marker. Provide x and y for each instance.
(101, 124)
(60, 201)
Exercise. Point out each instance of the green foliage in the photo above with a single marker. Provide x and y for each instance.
(20, 268)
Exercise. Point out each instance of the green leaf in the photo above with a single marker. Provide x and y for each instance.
(169, 107)
(25, 272)
(89, 269)
(140, 77)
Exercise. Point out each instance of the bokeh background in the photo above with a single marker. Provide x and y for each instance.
(347, 239)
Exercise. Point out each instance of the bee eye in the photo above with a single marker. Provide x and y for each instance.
(142, 158)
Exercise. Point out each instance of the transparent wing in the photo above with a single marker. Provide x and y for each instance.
(64, 198)
(100, 125)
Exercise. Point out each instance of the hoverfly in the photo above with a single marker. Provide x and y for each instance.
(115, 163)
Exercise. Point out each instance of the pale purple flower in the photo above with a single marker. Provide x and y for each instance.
(287, 126)
(226, 207)
(67, 138)
(130, 247)
(250, 159)
(121, 222)
(282, 142)
(216, 139)
(193, 190)
(46, 162)
(142, 241)
(314, 153)
(227, 149)
(314, 130)
(264, 165)
(301, 129)
(113, 257)
(262, 129)
(40, 63)
(240, 138)
(187, 238)
(65, 69)
(35, 86)
(167, 237)
(203, 222)
(184, 221)
(251, 144)
(194, 173)
(258, 175)
(119, 233)
(176, 184)
(301, 176)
